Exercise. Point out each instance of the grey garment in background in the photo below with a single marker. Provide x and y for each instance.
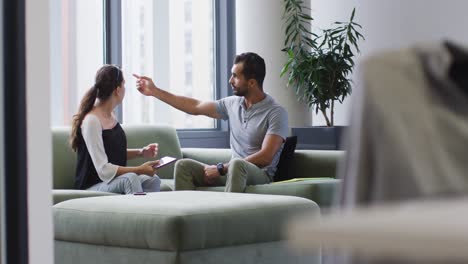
(129, 183)
(248, 127)
(406, 140)
(190, 173)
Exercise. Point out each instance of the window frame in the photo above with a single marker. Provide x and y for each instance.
(112, 33)
(14, 217)
(224, 26)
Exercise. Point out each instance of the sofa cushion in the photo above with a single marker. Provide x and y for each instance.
(65, 194)
(207, 155)
(64, 159)
(167, 185)
(315, 163)
(60, 195)
(304, 164)
(319, 190)
(177, 221)
(168, 143)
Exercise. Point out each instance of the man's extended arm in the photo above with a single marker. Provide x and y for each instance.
(188, 105)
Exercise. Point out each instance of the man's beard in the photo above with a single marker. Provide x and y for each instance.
(239, 92)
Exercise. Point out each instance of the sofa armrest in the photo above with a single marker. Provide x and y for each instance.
(207, 155)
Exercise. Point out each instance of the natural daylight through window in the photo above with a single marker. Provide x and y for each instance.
(172, 41)
(76, 42)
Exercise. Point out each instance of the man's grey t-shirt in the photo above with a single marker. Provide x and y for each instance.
(250, 126)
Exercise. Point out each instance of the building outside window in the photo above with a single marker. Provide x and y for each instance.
(171, 41)
(76, 43)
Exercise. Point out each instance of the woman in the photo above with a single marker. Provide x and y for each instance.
(101, 143)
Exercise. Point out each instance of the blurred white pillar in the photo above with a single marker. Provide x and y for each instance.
(259, 29)
(39, 138)
(2, 165)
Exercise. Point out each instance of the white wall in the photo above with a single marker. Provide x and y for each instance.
(38, 135)
(394, 24)
(259, 29)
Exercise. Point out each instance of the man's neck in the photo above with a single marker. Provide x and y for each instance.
(254, 98)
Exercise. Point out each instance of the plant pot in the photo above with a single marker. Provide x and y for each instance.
(319, 137)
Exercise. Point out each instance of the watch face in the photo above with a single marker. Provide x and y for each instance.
(220, 167)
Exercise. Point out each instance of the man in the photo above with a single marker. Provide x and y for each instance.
(258, 128)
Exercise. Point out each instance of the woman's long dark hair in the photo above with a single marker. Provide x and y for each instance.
(107, 79)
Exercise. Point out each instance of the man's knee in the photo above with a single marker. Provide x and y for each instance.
(184, 169)
(183, 174)
(237, 165)
(183, 164)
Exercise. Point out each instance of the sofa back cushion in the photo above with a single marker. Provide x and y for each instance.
(168, 143)
(210, 156)
(316, 163)
(64, 159)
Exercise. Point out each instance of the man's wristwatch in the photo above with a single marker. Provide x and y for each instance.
(220, 167)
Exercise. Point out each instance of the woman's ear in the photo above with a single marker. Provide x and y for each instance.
(117, 90)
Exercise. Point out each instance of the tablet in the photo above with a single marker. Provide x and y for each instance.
(165, 161)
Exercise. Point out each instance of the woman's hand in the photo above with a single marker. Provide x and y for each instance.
(148, 168)
(150, 151)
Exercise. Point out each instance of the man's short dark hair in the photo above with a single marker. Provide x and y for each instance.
(254, 66)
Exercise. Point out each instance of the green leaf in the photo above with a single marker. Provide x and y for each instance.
(356, 24)
(285, 68)
(306, 16)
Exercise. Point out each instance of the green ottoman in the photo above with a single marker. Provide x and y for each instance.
(178, 227)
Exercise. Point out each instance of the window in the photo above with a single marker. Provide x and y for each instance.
(76, 39)
(175, 42)
(171, 41)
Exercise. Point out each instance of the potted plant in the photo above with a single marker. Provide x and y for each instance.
(319, 61)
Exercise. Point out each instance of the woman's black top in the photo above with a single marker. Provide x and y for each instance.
(115, 146)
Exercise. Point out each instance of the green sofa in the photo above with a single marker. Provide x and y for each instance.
(317, 164)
